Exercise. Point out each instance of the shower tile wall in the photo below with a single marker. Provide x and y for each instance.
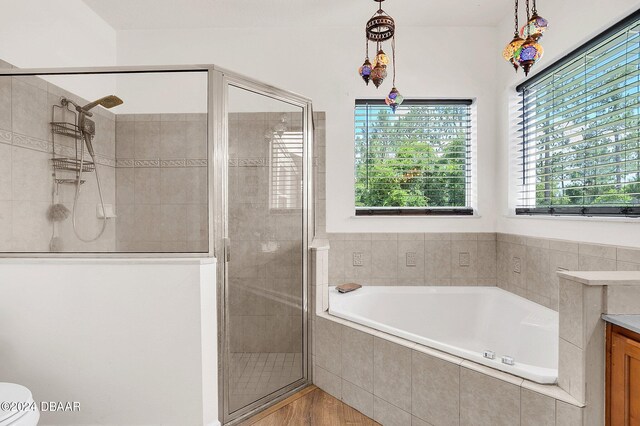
(161, 182)
(26, 174)
(265, 273)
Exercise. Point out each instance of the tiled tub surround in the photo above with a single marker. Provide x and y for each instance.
(538, 261)
(397, 382)
(26, 173)
(161, 182)
(400, 382)
(413, 258)
(523, 265)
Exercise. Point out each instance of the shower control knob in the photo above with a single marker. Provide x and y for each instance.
(508, 360)
(489, 354)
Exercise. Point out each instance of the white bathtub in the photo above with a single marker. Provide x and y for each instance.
(463, 321)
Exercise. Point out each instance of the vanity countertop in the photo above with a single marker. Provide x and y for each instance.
(630, 322)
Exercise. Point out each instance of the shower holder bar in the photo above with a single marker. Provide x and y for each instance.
(66, 129)
(72, 164)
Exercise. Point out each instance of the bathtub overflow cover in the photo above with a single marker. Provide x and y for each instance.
(507, 360)
(489, 354)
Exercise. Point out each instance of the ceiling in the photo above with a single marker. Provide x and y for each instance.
(180, 14)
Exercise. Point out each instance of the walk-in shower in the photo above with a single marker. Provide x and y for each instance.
(196, 162)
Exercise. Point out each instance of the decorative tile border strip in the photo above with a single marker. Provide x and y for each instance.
(6, 136)
(173, 163)
(249, 162)
(27, 142)
(124, 163)
(155, 163)
(31, 143)
(197, 163)
(146, 163)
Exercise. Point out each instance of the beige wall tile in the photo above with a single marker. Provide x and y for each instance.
(435, 389)
(328, 345)
(487, 259)
(30, 109)
(146, 139)
(6, 223)
(415, 421)
(358, 398)
(196, 139)
(363, 247)
(173, 136)
(623, 299)
(437, 260)
(384, 259)
(124, 186)
(571, 312)
(571, 363)
(147, 186)
(486, 400)
(626, 266)
(392, 373)
(568, 415)
(460, 248)
(357, 358)
(388, 414)
(5, 106)
(591, 263)
(416, 272)
(597, 250)
(536, 409)
(173, 222)
(31, 175)
(6, 189)
(628, 255)
(565, 246)
(327, 381)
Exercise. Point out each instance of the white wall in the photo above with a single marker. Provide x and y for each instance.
(571, 23)
(322, 63)
(58, 33)
(133, 341)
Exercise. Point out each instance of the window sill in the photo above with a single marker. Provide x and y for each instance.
(574, 218)
(404, 217)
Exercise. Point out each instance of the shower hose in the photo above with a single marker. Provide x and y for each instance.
(77, 196)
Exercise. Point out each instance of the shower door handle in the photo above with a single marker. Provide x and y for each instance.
(227, 249)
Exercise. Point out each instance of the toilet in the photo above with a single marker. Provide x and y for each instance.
(24, 411)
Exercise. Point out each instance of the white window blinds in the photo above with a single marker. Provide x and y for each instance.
(579, 152)
(416, 161)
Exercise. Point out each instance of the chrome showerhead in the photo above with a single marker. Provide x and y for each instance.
(106, 102)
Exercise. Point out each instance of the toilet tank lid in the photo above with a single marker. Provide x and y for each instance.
(12, 392)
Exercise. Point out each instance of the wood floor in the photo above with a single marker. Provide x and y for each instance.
(310, 407)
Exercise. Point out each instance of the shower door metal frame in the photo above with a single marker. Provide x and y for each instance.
(219, 83)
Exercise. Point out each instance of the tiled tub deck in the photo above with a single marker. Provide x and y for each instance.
(398, 382)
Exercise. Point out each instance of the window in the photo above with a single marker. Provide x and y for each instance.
(579, 152)
(414, 162)
(285, 170)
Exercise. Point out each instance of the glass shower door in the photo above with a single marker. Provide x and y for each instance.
(264, 269)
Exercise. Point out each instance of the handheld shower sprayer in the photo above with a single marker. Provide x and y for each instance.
(87, 130)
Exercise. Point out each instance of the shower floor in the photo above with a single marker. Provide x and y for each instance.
(257, 374)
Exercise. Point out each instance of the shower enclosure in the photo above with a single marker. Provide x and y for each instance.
(194, 161)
